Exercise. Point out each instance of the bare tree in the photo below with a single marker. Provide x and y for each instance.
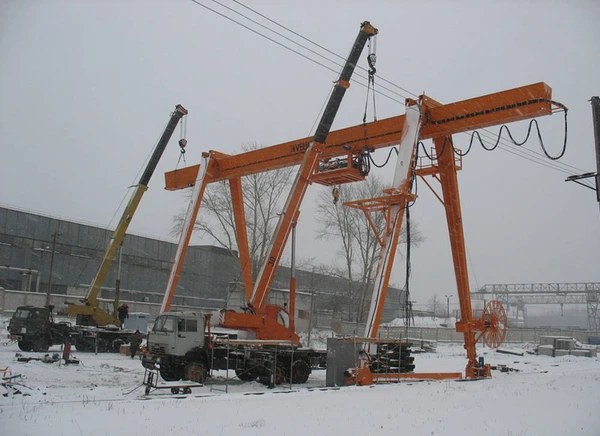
(262, 194)
(359, 247)
(436, 307)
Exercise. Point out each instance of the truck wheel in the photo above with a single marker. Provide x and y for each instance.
(278, 376)
(115, 345)
(25, 346)
(40, 345)
(84, 344)
(171, 373)
(195, 371)
(246, 374)
(300, 371)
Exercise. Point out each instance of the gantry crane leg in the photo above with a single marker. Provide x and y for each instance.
(241, 233)
(188, 228)
(451, 198)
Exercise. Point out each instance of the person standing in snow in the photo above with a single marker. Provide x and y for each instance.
(123, 313)
(136, 341)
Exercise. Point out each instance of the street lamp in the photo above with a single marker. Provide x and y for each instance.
(448, 305)
(49, 290)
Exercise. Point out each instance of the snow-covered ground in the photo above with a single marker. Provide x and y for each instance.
(103, 396)
(423, 321)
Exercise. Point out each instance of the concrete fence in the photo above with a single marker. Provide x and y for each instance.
(449, 334)
(513, 335)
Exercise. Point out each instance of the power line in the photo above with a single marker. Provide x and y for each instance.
(264, 36)
(525, 153)
(300, 45)
(499, 138)
(320, 46)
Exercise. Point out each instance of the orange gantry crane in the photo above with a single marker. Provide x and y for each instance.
(337, 157)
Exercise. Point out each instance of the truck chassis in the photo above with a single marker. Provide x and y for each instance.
(269, 362)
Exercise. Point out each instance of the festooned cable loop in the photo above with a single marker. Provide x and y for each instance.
(505, 127)
(517, 143)
(386, 160)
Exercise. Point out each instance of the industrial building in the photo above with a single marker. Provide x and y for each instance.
(209, 276)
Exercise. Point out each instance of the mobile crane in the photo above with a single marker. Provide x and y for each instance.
(96, 328)
(340, 159)
(91, 313)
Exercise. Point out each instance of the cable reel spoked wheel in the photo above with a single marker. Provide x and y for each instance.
(495, 323)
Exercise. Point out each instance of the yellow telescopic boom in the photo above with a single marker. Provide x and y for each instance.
(91, 313)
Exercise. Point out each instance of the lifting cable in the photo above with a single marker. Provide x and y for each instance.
(364, 163)
(371, 60)
(407, 279)
(407, 310)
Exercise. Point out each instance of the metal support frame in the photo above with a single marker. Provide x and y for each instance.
(547, 293)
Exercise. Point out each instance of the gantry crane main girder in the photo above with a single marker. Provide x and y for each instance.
(439, 123)
(440, 120)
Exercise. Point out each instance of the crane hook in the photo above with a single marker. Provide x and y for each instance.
(371, 60)
(336, 194)
(182, 144)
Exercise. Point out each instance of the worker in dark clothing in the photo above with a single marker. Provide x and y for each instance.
(136, 341)
(123, 313)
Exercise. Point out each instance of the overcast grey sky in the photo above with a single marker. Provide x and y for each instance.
(87, 87)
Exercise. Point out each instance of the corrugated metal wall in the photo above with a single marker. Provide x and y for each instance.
(26, 243)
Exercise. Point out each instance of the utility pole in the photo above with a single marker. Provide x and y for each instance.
(312, 305)
(292, 306)
(54, 236)
(448, 305)
(596, 122)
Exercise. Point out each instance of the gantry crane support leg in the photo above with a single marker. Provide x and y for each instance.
(241, 233)
(188, 228)
(449, 183)
(385, 263)
(395, 212)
